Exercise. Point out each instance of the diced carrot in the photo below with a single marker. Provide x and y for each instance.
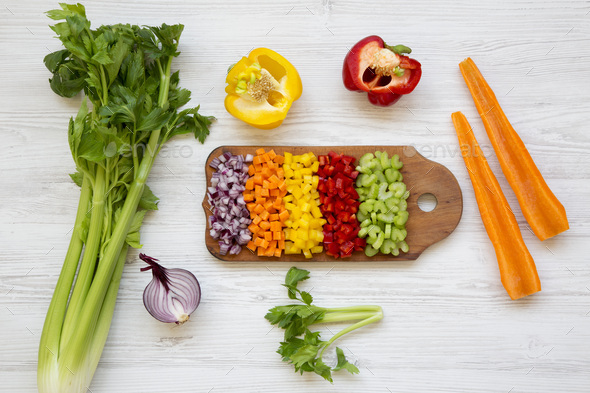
(284, 215)
(251, 245)
(276, 226)
(278, 202)
(269, 252)
(267, 172)
(267, 205)
(257, 179)
(264, 198)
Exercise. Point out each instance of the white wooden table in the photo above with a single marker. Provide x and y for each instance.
(449, 325)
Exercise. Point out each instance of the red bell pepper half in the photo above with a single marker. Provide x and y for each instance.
(383, 71)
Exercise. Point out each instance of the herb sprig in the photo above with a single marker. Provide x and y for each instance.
(304, 348)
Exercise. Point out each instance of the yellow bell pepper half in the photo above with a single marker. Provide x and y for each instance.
(261, 88)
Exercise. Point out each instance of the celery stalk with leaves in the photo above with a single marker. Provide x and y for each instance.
(129, 110)
(306, 352)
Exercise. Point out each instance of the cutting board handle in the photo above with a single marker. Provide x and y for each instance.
(430, 177)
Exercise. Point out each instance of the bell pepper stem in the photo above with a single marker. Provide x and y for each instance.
(398, 49)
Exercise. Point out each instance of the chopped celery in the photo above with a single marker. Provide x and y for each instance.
(383, 212)
(387, 246)
(370, 251)
(386, 217)
(380, 238)
(395, 162)
(362, 216)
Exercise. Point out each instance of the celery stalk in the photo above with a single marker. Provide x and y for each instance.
(125, 72)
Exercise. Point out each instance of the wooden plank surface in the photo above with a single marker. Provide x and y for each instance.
(449, 325)
(421, 176)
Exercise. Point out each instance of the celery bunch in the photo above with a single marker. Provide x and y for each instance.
(129, 111)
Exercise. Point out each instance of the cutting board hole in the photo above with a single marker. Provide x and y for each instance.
(427, 202)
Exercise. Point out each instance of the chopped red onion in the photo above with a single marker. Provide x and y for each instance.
(230, 219)
(172, 295)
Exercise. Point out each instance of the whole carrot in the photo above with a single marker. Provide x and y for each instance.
(517, 268)
(542, 210)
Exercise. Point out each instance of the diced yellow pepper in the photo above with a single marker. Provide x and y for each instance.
(302, 234)
(304, 224)
(288, 158)
(316, 212)
(317, 249)
(304, 227)
(299, 243)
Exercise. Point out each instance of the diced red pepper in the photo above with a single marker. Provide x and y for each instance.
(339, 204)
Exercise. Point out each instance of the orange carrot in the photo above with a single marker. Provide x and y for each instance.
(517, 268)
(543, 211)
(265, 203)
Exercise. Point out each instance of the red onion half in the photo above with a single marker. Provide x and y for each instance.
(172, 295)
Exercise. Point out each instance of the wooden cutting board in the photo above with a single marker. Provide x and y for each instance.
(421, 176)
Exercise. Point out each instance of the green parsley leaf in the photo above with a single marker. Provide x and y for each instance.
(148, 200)
(343, 363)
